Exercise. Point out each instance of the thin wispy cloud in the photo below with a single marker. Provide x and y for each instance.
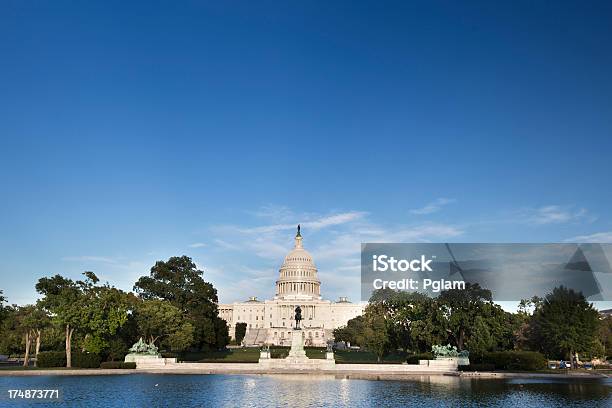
(197, 245)
(225, 245)
(556, 214)
(433, 206)
(256, 252)
(316, 223)
(348, 244)
(88, 258)
(279, 213)
(598, 237)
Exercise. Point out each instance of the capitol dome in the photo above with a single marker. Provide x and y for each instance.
(298, 275)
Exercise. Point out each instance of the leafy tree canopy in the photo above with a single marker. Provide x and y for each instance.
(564, 324)
(180, 282)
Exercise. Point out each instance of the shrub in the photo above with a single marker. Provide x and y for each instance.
(117, 364)
(516, 360)
(477, 367)
(85, 360)
(279, 352)
(48, 359)
(414, 358)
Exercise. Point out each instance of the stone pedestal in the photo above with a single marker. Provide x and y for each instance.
(297, 345)
(297, 360)
(148, 360)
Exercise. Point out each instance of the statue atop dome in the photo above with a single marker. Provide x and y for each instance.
(298, 274)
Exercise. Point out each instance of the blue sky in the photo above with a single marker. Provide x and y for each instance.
(134, 132)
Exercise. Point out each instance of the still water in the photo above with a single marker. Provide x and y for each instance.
(150, 390)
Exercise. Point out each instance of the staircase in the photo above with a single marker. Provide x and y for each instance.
(255, 337)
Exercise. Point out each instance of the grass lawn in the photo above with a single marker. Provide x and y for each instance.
(244, 355)
(241, 355)
(365, 357)
(251, 355)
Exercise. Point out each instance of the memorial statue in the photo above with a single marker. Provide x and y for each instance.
(298, 233)
(298, 314)
(447, 351)
(142, 351)
(142, 348)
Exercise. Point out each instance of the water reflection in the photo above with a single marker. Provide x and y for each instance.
(308, 390)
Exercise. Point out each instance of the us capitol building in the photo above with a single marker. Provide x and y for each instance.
(271, 321)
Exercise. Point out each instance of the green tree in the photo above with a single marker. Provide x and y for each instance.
(564, 324)
(96, 311)
(240, 332)
(605, 335)
(117, 349)
(460, 307)
(414, 323)
(395, 305)
(106, 312)
(3, 311)
(64, 299)
(31, 320)
(10, 335)
(427, 324)
(350, 333)
(375, 337)
(480, 339)
(163, 323)
(180, 282)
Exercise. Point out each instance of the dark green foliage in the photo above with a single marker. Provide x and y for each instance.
(117, 349)
(564, 324)
(466, 318)
(179, 282)
(117, 364)
(350, 332)
(48, 359)
(85, 360)
(2, 310)
(367, 357)
(465, 311)
(11, 337)
(240, 332)
(414, 358)
(58, 359)
(515, 360)
(279, 352)
(375, 335)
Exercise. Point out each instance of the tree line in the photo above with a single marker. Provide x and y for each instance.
(172, 307)
(560, 325)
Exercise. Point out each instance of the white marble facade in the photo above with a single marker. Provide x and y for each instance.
(272, 321)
